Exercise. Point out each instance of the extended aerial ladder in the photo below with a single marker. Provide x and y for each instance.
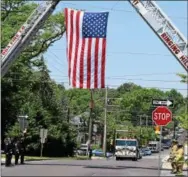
(164, 29)
(149, 11)
(24, 35)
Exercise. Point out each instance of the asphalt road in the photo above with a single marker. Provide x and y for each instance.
(147, 166)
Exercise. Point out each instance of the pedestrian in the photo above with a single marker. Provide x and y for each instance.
(16, 150)
(22, 150)
(90, 152)
(8, 152)
(179, 159)
(171, 159)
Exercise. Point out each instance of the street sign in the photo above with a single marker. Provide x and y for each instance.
(23, 122)
(163, 102)
(162, 116)
(43, 134)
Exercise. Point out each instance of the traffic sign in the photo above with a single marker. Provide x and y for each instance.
(163, 102)
(162, 116)
(43, 134)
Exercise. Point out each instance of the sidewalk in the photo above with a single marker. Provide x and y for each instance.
(167, 165)
(166, 168)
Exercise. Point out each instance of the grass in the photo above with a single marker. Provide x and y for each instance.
(35, 158)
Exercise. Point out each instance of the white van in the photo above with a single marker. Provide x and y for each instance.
(154, 146)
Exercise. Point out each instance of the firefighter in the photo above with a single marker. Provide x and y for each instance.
(171, 159)
(8, 152)
(22, 150)
(16, 150)
(179, 159)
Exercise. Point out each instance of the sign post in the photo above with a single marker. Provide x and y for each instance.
(159, 161)
(43, 136)
(161, 116)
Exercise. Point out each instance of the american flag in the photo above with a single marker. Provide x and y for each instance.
(86, 48)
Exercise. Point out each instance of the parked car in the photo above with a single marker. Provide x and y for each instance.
(100, 153)
(83, 150)
(166, 143)
(140, 154)
(154, 146)
(146, 151)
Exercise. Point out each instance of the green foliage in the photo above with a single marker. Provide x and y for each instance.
(28, 89)
(183, 120)
(184, 78)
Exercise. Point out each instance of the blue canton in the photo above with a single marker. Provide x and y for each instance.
(95, 25)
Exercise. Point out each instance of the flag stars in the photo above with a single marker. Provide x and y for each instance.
(94, 25)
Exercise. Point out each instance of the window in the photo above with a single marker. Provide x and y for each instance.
(131, 143)
(152, 145)
(125, 143)
(166, 141)
(120, 142)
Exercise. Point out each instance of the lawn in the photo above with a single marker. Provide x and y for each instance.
(34, 158)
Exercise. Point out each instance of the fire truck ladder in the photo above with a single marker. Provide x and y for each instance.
(25, 33)
(164, 29)
(148, 10)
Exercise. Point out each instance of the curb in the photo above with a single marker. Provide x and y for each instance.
(26, 160)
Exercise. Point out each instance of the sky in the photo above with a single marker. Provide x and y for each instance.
(134, 52)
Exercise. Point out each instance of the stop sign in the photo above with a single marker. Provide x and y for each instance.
(162, 116)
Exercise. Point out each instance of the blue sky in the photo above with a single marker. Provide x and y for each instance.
(128, 36)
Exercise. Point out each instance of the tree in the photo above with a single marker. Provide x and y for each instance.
(183, 110)
(183, 119)
(184, 78)
(27, 88)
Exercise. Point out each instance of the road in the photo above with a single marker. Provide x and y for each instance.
(147, 166)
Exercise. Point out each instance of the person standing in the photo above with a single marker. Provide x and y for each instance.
(179, 159)
(8, 152)
(90, 151)
(22, 150)
(172, 155)
(16, 150)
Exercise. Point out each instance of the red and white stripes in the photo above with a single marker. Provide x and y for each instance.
(86, 56)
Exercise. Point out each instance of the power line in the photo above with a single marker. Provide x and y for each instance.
(56, 56)
(120, 10)
(151, 80)
(130, 53)
(115, 86)
(114, 5)
(126, 75)
(56, 67)
(139, 79)
(164, 88)
(128, 79)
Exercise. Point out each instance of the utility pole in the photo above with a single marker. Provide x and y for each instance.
(140, 120)
(146, 121)
(159, 160)
(105, 115)
(91, 105)
(140, 128)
